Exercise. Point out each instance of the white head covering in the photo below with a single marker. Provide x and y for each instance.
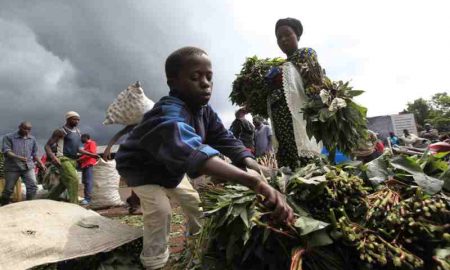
(71, 114)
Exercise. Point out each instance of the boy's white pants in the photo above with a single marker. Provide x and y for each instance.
(156, 210)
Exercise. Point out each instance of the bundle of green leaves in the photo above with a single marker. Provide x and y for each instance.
(250, 90)
(335, 119)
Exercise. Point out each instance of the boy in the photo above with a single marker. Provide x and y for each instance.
(87, 167)
(183, 135)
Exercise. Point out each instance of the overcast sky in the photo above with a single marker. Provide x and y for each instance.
(58, 55)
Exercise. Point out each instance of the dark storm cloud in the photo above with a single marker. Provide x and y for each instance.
(78, 55)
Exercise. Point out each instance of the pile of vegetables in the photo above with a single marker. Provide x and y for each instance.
(250, 89)
(343, 221)
(331, 115)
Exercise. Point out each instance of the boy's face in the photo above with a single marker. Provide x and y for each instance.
(194, 81)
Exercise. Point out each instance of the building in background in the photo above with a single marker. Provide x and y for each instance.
(384, 124)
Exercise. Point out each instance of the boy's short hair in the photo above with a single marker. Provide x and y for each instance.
(174, 62)
(85, 135)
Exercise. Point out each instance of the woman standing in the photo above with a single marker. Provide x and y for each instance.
(291, 84)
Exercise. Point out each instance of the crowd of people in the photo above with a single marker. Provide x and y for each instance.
(67, 149)
(181, 138)
(256, 137)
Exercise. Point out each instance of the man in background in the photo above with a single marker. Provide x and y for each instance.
(430, 133)
(20, 150)
(243, 130)
(411, 139)
(68, 142)
(263, 137)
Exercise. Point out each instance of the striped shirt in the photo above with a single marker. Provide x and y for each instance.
(21, 146)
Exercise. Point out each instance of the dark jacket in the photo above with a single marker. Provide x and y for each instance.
(171, 140)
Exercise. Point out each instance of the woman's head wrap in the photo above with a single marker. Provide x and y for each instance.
(295, 24)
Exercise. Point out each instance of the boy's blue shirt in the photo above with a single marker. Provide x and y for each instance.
(171, 141)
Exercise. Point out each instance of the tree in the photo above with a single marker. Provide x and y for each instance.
(435, 111)
(421, 110)
(441, 103)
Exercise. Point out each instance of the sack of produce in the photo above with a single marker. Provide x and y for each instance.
(105, 190)
(129, 106)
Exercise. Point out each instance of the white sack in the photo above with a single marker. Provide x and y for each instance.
(105, 190)
(129, 107)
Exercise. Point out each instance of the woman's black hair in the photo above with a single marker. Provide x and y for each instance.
(293, 23)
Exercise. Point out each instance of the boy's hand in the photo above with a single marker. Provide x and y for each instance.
(274, 199)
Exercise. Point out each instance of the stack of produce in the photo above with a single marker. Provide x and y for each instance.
(250, 90)
(335, 119)
(331, 115)
(342, 222)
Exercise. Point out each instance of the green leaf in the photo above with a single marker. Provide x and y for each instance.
(445, 176)
(244, 218)
(354, 93)
(265, 235)
(307, 225)
(377, 170)
(319, 238)
(430, 184)
(441, 155)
